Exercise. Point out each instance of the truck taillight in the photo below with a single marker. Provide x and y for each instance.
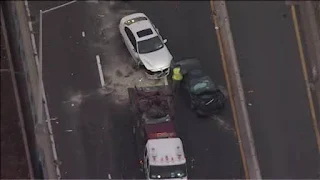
(163, 135)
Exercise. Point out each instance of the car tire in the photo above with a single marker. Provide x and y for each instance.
(133, 130)
(135, 65)
(224, 91)
(192, 106)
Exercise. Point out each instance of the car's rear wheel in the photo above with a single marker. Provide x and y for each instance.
(192, 106)
(134, 130)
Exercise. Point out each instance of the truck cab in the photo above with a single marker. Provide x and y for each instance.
(164, 159)
(146, 130)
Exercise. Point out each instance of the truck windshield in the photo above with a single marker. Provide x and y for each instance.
(168, 172)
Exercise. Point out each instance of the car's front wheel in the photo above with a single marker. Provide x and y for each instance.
(135, 65)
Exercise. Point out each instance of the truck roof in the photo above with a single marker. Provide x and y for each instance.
(164, 152)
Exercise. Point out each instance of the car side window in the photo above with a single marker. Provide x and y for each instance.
(131, 38)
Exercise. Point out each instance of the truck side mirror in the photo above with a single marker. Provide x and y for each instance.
(141, 165)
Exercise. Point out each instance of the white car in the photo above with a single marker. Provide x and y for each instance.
(145, 45)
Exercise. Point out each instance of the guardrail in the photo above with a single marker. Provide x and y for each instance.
(37, 121)
(310, 25)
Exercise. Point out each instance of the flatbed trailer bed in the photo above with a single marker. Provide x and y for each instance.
(143, 98)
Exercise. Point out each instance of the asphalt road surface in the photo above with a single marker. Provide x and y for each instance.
(93, 130)
(269, 61)
(190, 33)
(92, 137)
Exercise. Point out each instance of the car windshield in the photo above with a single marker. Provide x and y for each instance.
(150, 45)
(202, 85)
(168, 172)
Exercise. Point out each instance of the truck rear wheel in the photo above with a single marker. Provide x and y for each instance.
(134, 130)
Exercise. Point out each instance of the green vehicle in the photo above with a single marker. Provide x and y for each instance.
(206, 97)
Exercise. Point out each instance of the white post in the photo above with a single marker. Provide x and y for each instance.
(40, 44)
(41, 120)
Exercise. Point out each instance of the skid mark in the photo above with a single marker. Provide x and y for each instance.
(223, 124)
(74, 99)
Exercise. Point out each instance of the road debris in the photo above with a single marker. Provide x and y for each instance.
(57, 162)
(249, 104)
(69, 130)
(223, 124)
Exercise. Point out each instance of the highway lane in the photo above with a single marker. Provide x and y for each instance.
(212, 144)
(269, 61)
(92, 134)
(190, 33)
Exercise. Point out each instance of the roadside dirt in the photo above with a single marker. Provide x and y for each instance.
(13, 157)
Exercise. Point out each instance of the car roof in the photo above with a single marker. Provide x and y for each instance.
(142, 25)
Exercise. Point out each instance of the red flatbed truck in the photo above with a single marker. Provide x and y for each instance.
(161, 153)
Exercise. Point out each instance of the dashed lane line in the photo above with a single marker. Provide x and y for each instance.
(100, 71)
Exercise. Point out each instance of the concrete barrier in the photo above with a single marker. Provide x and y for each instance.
(16, 98)
(40, 141)
(235, 89)
(310, 24)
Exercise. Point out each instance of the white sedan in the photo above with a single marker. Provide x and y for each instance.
(145, 45)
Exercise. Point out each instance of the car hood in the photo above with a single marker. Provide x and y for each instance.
(157, 60)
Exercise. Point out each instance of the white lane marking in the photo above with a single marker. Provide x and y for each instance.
(166, 81)
(109, 176)
(92, 1)
(100, 71)
(83, 34)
